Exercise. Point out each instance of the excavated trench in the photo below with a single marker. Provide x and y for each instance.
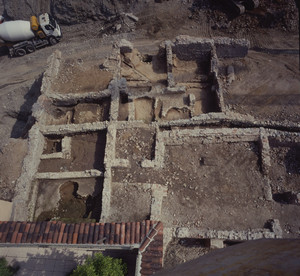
(149, 133)
(87, 153)
(73, 207)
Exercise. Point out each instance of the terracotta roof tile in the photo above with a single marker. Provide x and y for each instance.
(101, 233)
(25, 234)
(147, 227)
(112, 233)
(30, 233)
(15, 233)
(91, 233)
(152, 250)
(70, 233)
(56, 232)
(127, 233)
(61, 233)
(36, 232)
(151, 263)
(41, 232)
(46, 232)
(132, 236)
(11, 231)
(81, 232)
(86, 233)
(19, 237)
(152, 234)
(153, 253)
(122, 233)
(20, 234)
(5, 232)
(138, 232)
(106, 232)
(75, 234)
(143, 230)
(117, 234)
(148, 271)
(144, 244)
(65, 234)
(2, 226)
(96, 232)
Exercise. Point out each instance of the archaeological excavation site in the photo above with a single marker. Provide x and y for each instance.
(156, 152)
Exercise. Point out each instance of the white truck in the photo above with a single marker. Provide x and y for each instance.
(23, 37)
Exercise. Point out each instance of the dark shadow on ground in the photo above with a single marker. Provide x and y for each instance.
(24, 119)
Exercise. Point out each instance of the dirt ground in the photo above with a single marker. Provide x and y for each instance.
(122, 199)
(266, 86)
(135, 144)
(285, 170)
(76, 78)
(202, 192)
(87, 153)
(79, 114)
(16, 150)
(73, 200)
(183, 250)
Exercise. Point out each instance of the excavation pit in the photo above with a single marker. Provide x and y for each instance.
(130, 202)
(144, 109)
(123, 107)
(69, 200)
(285, 166)
(79, 113)
(76, 78)
(191, 71)
(177, 114)
(135, 144)
(87, 152)
(52, 145)
(144, 68)
(136, 88)
(205, 100)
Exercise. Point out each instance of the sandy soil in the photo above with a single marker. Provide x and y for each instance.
(183, 250)
(266, 86)
(11, 161)
(76, 78)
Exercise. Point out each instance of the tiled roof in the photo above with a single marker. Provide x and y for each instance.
(148, 235)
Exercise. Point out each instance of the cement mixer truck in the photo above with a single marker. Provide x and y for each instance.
(22, 37)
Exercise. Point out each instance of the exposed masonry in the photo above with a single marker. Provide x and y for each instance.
(226, 235)
(228, 127)
(65, 152)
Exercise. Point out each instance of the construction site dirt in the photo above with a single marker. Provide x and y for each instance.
(185, 115)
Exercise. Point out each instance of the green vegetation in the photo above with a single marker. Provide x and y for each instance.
(101, 265)
(5, 269)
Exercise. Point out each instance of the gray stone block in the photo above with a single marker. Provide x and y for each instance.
(231, 48)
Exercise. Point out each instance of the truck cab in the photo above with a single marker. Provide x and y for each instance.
(50, 28)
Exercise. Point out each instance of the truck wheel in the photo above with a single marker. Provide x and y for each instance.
(30, 49)
(20, 52)
(52, 40)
